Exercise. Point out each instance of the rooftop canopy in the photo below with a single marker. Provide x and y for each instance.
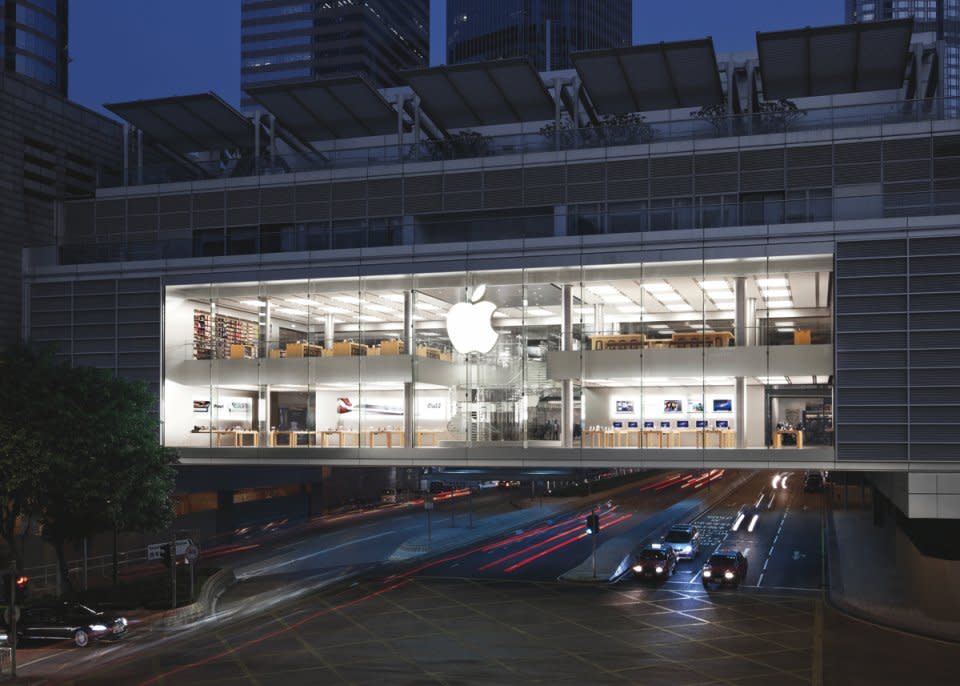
(188, 123)
(651, 77)
(847, 58)
(481, 94)
(345, 107)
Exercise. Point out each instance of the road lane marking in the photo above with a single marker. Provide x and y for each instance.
(260, 570)
(760, 580)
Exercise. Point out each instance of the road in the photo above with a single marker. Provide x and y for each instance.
(494, 613)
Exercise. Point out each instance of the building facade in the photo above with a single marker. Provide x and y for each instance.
(33, 41)
(941, 18)
(295, 40)
(546, 31)
(712, 284)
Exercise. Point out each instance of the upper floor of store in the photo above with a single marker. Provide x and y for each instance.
(647, 138)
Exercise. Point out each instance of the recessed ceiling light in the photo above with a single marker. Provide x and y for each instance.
(352, 299)
(616, 299)
(302, 301)
(291, 310)
(377, 307)
(669, 297)
(254, 303)
(659, 326)
(392, 297)
(784, 323)
(538, 312)
(785, 329)
(603, 290)
(630, 309)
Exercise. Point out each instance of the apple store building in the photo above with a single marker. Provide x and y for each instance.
(663, 355)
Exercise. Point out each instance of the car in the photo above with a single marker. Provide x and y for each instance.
(726, 567)
(388, 496)
(813, 482)
(684, 539)
(655, 561)
(69, 621)
(746, 519)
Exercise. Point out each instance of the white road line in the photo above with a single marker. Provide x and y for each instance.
(765, 563)
(760, 581)
(284, 563)
(695, 576)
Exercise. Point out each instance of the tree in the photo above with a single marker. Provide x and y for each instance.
(87, 456)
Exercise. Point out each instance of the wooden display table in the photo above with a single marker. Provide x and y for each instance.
(239, 351)
(391, 347)
(726, 438)
(233, 438)
(633, 341)
(708, 339)
(432, 435)
(305, 350)
(349, 349)
(389, 433)
(323, 437)
(293, 439)
(780, 433)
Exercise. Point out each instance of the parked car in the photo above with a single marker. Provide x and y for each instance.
(725, 567)
(684, 539)
(655, 561)
(69, 621)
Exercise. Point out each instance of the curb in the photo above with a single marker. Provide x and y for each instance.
(202, 607)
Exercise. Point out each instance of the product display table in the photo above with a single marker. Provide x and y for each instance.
(388, 433)
(293, 438)
(780, 433)
(726, 438)
(323, 437)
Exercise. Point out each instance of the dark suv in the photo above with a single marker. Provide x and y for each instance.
(725, 567)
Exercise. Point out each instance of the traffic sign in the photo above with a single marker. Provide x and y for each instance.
(191, 552)
(155, 550)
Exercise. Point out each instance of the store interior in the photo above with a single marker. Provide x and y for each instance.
(330, 363)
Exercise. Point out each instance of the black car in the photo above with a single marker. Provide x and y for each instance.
(813, 483)
(725, 567)
(69, 621)
(655, 561)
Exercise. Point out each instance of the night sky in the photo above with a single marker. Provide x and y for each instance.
(129, 49)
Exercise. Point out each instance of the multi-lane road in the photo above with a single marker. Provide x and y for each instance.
(493, 611)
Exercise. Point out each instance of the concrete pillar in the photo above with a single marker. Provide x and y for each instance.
(751, 321)
(409, 387)
(225, 517)
(566, 389)
(328, 332)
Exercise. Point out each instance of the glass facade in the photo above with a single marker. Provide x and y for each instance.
(292, 40)
(479, 30)
(33, 40)
(648, 356)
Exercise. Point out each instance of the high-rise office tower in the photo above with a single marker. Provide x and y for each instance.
(479, 30)
(941, 17)
(291, 40)
(33, 40)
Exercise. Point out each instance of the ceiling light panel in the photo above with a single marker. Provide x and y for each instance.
(778, 282)
(658, 287)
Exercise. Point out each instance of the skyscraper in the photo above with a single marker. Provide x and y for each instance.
(941, 17)
(479, 30)
(292, 40)
(33, 40)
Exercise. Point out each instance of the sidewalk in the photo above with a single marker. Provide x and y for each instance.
(867, 580)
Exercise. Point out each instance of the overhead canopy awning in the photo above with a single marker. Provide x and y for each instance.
(847, 58)
(658, 76)
(345, 107)
(188, 123)
(481, 94)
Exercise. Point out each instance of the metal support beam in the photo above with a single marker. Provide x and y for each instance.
(740, 312)
(126, 154)
(256, 141)
(328, 330)
(409, 387)
(139, 157)
(273, 140)
(566, 389)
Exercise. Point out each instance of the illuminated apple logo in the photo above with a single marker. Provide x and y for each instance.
(468, 324)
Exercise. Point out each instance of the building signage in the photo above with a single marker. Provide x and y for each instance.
(468, 324)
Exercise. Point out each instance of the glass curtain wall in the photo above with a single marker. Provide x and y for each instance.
(694, 354)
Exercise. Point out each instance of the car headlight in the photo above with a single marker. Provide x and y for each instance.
(688, 548)
(638, 568)
(97, 627)
(707, 573)
(659, 569)
(123, 621)
(3, 636)
(728, 575)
